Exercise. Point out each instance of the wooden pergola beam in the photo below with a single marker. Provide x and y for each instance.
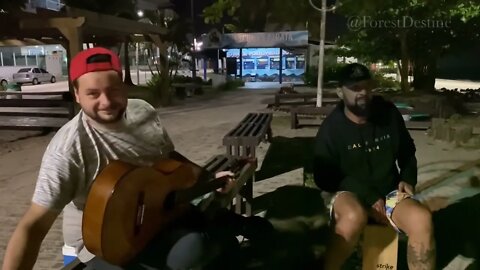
(117, 24)
(71, 29)
(78, 26)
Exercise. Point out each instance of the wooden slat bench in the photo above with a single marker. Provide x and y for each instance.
(243, 139)
(35, 113)
(295, 112)
(310, 111)
(244, 178)
(300, 99)
(215, 164)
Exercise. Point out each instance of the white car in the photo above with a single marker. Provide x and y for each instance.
(33, 76)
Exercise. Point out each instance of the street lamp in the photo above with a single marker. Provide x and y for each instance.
(321, 48)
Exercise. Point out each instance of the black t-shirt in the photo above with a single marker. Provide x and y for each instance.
(363, 158)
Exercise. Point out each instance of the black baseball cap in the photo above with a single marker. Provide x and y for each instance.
(353, 73)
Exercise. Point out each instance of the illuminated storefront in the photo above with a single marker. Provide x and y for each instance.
(264, 57)
(263, 64)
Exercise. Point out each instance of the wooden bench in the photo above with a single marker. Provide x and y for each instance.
(244, 178)
(215, 164)
(37, 112)
(300, 99)
(310, 111)
(242, 141)
(295, 112)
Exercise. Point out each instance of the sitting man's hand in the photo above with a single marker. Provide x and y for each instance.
(406, 188)
(230, 181)
(378, 212)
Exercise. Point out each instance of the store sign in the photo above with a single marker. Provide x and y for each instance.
(257, 40)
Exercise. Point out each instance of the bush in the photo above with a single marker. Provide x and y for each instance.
(161, 88)
(181, 79)
(388, 70)
(155, 82)
(330, 73)
(186, 79)
(385, 82)
(231, 85)
(310, 77)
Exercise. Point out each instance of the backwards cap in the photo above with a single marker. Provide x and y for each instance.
(94, 59)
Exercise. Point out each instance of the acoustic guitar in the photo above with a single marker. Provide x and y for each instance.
(128, 205)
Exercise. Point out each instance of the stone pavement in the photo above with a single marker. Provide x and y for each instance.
(197, 131)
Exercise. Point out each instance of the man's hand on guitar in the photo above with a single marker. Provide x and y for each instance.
(229, 181)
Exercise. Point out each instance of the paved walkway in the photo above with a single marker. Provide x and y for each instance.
(197, 131)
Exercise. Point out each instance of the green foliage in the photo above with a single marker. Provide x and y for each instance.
(155, 82)
(310, 77)
(231, 85)
(187, 79)
(379, 28)
(451, 25)
(254, 15)
(385, 82)
(330, 74)
(214, 13)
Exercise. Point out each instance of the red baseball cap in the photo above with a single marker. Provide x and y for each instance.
(94, 59)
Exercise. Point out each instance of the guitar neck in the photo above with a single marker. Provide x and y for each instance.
(206, 184)
(187, 195)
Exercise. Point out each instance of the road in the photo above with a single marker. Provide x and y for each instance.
(62, 85)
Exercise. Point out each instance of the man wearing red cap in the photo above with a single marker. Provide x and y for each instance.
(108, 127)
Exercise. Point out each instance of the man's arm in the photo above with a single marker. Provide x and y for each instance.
(407, 162)
(24, 245)
(199, 171)
(329, 177)
(57, 179)
(207, 199)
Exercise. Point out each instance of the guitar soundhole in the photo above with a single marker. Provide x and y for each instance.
(169, 203)
(140, 212)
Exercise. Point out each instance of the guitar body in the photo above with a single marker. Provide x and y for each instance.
(125, 208)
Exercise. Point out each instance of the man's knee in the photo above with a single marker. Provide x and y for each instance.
(418, 221)
(190, 251)
(196, 249)
(350, 216)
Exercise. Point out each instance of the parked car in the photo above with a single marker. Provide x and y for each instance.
(33, 76)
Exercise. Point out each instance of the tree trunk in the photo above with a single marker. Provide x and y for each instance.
(128, 76)
(165, 93)
(424, 73)
(404, 62)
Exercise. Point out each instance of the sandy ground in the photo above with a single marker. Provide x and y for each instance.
(197, 129)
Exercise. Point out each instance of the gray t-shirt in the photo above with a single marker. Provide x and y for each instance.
(79, 151)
